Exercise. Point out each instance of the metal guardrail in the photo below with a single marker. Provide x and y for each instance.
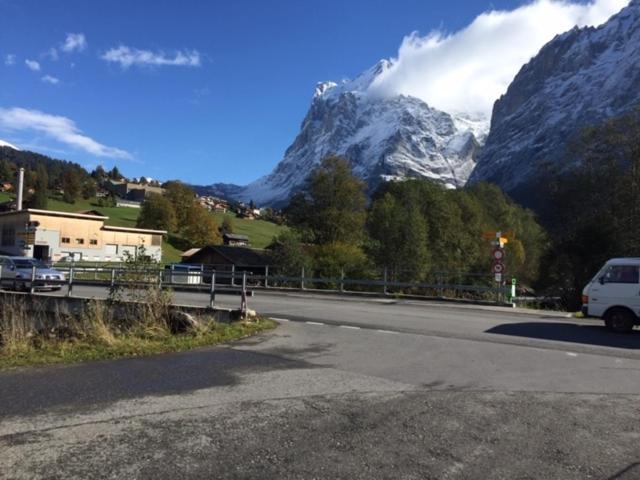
(207, 279)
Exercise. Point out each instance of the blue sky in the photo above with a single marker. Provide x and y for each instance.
(236, 81)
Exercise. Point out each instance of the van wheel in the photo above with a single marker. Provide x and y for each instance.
(620, 320)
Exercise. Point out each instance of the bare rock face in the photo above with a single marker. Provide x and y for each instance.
(580, 78)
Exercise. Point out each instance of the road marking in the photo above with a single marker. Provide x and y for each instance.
(387, 331)
(314, 323)
(279, 319)
(571, 354)
(349, 327)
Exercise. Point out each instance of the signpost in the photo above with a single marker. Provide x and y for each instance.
(498, 254)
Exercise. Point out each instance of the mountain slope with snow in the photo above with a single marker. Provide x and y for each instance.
(383, 138)
(578, 79)
(7, 144)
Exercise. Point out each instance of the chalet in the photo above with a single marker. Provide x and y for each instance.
(226, 258)
(235, 240)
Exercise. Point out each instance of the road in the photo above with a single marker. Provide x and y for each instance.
(344, 388)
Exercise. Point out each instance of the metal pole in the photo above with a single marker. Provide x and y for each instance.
(20, 188)
(212, 290)
(113, 277)
(384, 288)
(243, 300)
(33, 278)
(1, 283)
(302, 279)
(266, 276)
(233, 275)
(70, 283)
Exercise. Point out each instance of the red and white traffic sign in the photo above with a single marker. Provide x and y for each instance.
(498, 254)
(498, 268)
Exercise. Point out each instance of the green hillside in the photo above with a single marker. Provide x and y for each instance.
(260, 233)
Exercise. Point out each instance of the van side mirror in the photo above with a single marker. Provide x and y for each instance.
(601, 280)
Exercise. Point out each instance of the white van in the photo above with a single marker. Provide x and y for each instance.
(614, 294)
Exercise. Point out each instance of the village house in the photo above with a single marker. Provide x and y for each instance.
(51, 235)
(235, 240)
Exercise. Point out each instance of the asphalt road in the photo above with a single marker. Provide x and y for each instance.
(344, 388)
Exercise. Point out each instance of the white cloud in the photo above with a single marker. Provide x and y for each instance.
(52, 53)
(50, 79)
(61, 129)
(9, 59)
(32, 65)
(469, 69)
(75, 42)
(128, 56)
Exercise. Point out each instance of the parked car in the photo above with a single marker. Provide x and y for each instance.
(17, 272)
(614, 295)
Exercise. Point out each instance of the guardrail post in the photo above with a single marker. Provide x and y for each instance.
(212, 290)
(95, 272)
(384, 282)
(243, 298)
(113, 277)
(160, 279)
(33, 280)
(70, 282)
(266, 276)
(342, 280)
(233, 275)
(302, 279)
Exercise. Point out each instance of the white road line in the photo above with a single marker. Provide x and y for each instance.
(571, 354)
(387, 331)
(280, 319)
(314, 323)
(349, 327)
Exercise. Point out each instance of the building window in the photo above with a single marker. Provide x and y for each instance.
(80, 241)
(65, 240)
(93, 241)
(8, 236)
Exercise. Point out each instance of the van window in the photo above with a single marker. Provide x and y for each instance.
(622, 274)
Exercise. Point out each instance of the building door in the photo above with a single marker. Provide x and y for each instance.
(41, 252)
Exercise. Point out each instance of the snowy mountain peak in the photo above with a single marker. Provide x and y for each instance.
(7, 144)
(382, 137)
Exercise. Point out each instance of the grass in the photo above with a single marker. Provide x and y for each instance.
(260, 233)
(127, 346)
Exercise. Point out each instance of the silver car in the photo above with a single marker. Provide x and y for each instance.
(17, 273)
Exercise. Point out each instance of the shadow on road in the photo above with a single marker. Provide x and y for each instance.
(627, 472)
(92, 385)
(569, 332)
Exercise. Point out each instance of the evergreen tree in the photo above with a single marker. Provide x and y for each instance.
(39, 199)
(71, 186)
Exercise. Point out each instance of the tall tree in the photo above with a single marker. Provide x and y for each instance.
(71, 186)
(332, 205)
(201, 228)
(39, 199)
(157, 213)
(182, 198)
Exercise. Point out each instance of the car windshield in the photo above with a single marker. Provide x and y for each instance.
(28, 263)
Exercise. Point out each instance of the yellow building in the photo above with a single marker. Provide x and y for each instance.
(55, 235)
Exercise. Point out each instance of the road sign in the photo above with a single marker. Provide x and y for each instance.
(498, 268)
(498, 254)
(498, 277)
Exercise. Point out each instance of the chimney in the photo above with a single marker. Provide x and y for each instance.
(20, 188)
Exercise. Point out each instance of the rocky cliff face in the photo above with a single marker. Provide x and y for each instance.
(580, 78)
(383, 138)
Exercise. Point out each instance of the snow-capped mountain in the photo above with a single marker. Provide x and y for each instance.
(383, 138)
(580, 78)
(7, 144)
